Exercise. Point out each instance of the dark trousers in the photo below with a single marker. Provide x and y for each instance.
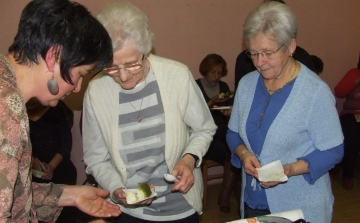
(250, 213)
(125, 218)
(351, 131)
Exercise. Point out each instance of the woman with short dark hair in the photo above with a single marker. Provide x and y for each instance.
(57, 43)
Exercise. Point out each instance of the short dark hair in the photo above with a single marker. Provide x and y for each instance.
(280, 1)
(79, 39)
(210, 61)
(318, 64)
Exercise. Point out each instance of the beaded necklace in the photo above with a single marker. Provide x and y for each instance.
(279, 89)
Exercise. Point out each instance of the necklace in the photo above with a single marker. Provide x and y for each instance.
(138, 118)
(290, 79)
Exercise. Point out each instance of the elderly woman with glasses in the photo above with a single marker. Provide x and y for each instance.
(144, 117)
(283, 111)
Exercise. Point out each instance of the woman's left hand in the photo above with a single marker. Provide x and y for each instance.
(268, 184)
(227, 112)
(89, 200)
(184, 169)
(48, 173)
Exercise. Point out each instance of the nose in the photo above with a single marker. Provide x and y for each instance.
(259, 60)
(123, 75)
(78, 85)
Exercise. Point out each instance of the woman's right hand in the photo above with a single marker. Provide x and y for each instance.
(248, 160)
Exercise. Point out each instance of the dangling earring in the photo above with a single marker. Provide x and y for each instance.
(52, 85)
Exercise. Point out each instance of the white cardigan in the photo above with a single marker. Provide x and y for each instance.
(189, 126)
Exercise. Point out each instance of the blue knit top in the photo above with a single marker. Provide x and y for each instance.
(300, 122)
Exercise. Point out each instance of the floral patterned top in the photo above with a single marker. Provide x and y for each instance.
(20, 199)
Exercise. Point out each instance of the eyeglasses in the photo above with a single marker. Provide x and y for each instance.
(131, 68)
(267, 54)
(214, 72)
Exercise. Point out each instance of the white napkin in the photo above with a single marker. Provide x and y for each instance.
(273, 171)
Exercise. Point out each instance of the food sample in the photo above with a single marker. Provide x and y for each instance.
(144, 191)
(131, 197)
(225, 95)
(136, 195)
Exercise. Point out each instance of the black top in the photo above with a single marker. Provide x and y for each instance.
(220, 120)
(51, 134)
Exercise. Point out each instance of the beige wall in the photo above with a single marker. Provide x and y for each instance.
(188, 30)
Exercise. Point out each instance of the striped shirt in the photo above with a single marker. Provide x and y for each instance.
(143, 151)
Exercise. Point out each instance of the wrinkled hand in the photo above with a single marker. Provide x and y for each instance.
(89, 200)
(119, 196)
(184, 169)
(48, 173)
(250, 162)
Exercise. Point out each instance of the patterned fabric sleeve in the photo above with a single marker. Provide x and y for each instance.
(15, 199)
(16, 189)
(45, 199)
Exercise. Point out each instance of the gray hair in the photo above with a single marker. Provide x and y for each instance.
(126, 24)
(273, 19)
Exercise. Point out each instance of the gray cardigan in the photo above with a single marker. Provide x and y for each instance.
(307, 121)
(188, 123)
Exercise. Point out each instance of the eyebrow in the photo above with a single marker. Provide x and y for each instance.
(133, 62)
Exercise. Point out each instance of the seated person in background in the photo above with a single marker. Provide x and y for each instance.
(318, 64)
(51, 139)
(213, 68)
(245, 65)
(349, 88)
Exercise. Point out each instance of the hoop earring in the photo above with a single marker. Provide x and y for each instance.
(53, 85)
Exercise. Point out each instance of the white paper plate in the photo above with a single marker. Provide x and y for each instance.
(37, 173)
(153, 194)
(273, 171)
(221, 108)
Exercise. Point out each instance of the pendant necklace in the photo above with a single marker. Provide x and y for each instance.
(138, 118)
(279, 89)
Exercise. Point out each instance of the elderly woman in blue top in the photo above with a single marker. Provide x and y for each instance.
(283, 111)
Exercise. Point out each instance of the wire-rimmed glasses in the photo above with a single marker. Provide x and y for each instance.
(131, 68)
(267, 54)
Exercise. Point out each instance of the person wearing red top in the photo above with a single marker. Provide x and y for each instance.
(349, 88)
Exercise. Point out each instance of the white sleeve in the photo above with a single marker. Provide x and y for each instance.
(96, 153)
